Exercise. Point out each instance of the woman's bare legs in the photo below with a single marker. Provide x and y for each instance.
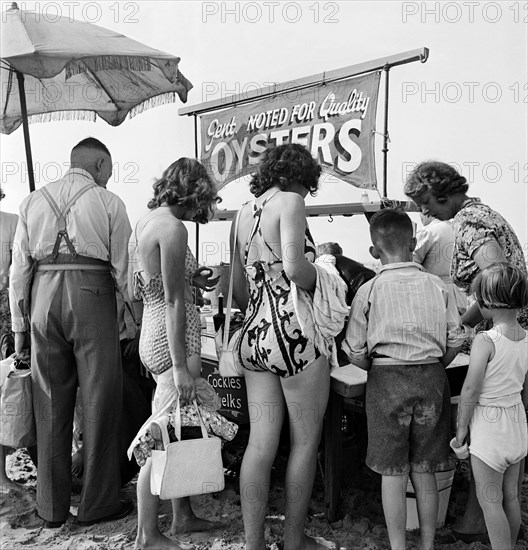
(183, 518)
(148, 533)
(306, 396)
(266, 414)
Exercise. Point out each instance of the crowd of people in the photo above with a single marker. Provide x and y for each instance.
(89, 297)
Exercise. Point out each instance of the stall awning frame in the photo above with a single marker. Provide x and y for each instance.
(382, 63)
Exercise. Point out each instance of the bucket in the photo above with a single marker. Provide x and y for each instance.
(444, 480)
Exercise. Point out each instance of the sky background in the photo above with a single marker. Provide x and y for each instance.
(466, 105)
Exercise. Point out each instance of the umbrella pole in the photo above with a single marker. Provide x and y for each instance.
(25, 126)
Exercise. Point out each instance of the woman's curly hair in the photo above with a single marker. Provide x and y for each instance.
(284, 166)
(441, 179)
(186, 183)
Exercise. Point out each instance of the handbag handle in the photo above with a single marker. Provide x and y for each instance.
(177, 420)
(227, 322)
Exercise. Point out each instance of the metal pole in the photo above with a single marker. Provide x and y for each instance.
(25, 126)
(385, 149)
(197, 225)
(421, 55)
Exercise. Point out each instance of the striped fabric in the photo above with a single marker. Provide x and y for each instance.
(403, 315)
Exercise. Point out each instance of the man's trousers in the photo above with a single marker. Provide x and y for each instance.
(75, 342)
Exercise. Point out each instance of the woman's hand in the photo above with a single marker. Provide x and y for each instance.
(184, 383)
(203, 279)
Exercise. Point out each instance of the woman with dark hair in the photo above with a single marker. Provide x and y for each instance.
(482, 238)
(164, 271)
(285, 373)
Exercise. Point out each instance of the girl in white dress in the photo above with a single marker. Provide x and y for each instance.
(493, 401)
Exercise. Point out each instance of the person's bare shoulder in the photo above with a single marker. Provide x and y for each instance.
(168, 229)
(290, 203)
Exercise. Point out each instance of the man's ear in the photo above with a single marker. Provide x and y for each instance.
(99, 163)
(412, 244)
(374, 252)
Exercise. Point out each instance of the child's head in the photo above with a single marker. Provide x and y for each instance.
(391, 231)
(501, 286)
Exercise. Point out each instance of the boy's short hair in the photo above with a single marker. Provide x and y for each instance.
(390, 229)
(501, 286)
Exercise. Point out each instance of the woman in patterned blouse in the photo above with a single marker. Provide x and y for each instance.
(482, 237)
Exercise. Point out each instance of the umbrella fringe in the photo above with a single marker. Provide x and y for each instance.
(107, 63)
(162, 99)
(63, 115)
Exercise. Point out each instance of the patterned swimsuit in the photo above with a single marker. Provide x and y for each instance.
(153, 344)
(271, 339)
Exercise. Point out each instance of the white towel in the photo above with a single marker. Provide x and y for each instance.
(322, 317)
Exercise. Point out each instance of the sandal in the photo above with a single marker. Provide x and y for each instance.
(155, 433)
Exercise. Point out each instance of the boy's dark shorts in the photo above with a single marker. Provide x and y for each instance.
(408, 414)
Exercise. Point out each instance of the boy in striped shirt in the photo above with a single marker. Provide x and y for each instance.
(404, 330)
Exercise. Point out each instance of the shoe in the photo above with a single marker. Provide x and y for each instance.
(468, 538)
(52, 524)
(126, 507)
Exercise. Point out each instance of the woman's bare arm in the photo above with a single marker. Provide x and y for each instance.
(292, 235)
(173, 247)
(488, 254)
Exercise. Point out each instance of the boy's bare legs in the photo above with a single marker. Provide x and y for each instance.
(6, 484)
(148, 533)
(266, 413)
(488, 483)
(306, 397)
(426, 491)
(510, 502)
(393, 489)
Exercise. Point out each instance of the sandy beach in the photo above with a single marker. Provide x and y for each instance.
(362, 526)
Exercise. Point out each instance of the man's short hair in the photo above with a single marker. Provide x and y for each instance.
(92, 143)
(390, 229)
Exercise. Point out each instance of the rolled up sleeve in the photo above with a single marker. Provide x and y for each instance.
(355, 342)
(455, 332)
(120, 231)
(21, 276)
(424, 243)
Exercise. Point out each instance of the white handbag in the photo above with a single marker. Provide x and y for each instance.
(186, 468)
(226, 344)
